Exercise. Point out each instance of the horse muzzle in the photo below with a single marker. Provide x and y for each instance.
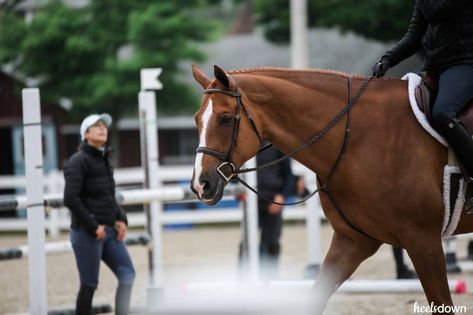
(209, 189)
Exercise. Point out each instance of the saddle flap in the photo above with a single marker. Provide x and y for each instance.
(424, 100)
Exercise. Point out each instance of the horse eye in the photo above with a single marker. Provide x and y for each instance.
(226, 119)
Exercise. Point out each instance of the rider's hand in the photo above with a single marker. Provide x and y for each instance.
(380, 68)
(100, 232)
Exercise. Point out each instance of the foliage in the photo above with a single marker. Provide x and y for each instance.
(93, 54)
(383, 20)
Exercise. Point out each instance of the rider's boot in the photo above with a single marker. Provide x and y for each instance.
(462, 144)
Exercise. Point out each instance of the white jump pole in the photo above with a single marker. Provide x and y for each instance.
(376, 286)
(35, 209)
(147, 108)
(349, 286)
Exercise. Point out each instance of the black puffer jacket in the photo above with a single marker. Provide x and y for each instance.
(444, 28)
(90, 189)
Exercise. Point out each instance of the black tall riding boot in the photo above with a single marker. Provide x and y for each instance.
(462, 144)
(84, 300)
(122, 299)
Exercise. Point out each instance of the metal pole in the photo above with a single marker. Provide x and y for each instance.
(35, 209)
(299, 34)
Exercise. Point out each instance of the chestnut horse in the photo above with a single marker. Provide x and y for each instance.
(381, 174)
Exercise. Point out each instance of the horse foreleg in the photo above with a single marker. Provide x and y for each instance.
(428, 258)
(344, 256)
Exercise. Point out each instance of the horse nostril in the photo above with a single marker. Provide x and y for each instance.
(205, 184)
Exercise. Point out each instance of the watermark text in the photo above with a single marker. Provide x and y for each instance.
(442, 308)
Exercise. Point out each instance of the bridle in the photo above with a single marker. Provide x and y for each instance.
(226, 157)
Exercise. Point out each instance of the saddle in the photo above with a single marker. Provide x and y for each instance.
(425, 95)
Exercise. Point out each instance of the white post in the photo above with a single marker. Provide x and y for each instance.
(147, 106)
(313, 229)
(252, 224)
(35, 209)
(300, 59)
(299, 34)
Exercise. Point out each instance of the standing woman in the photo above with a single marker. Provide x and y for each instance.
(98, 224)
(444, 29)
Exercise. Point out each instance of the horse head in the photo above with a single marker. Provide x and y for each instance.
(228, 134)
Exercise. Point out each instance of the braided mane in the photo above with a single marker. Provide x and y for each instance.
(282, 70)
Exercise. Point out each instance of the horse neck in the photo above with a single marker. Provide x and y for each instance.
(294, 107)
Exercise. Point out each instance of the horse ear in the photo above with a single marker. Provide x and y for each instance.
(200, 76)
(221, 76)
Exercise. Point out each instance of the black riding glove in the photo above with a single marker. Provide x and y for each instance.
(380, 68)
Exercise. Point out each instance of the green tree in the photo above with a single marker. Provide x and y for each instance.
(383, 20)
(93, 54)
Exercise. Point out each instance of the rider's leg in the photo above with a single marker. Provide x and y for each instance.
(460, 141)
(455, 90)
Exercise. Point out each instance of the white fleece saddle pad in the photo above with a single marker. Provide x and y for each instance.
(453, 206)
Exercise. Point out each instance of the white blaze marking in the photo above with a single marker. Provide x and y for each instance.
(202, 143)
